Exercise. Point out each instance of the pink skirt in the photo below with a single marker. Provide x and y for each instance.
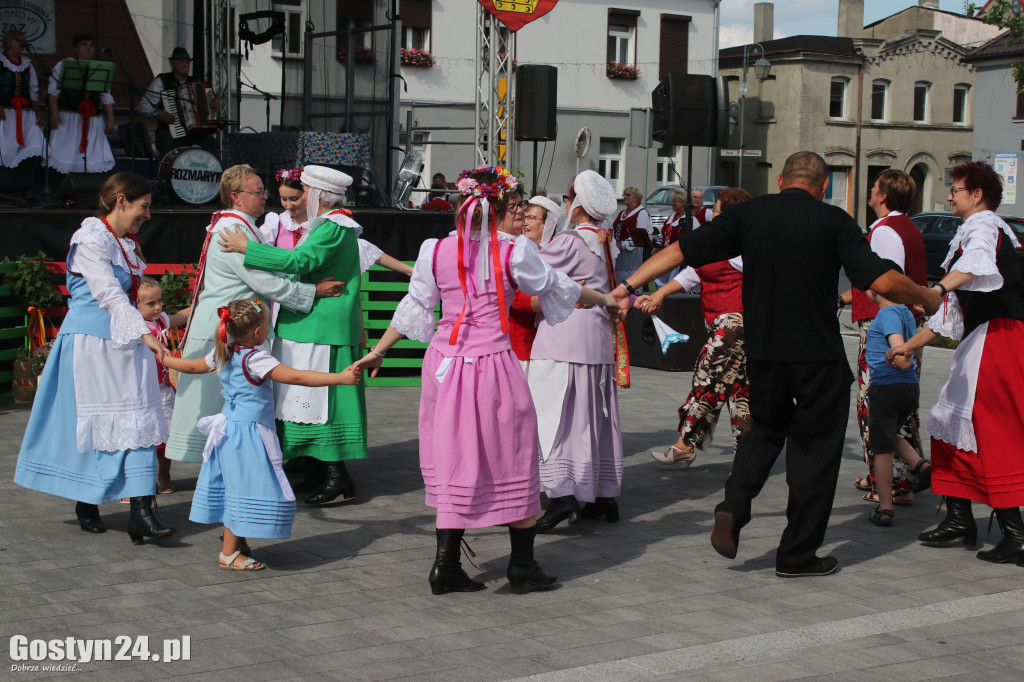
(478, 441)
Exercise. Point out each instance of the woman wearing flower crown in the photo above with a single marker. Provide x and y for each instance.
(477, 425)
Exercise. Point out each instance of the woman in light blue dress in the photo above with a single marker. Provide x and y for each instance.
(97, 418)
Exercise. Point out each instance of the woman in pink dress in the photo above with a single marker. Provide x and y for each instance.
(477, 425)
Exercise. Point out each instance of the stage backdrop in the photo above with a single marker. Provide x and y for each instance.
(34, 18)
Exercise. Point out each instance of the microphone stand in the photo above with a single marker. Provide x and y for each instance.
(132, 89)
(47, 194)
(266, 141)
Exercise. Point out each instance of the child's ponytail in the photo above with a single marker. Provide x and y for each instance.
(221, 347)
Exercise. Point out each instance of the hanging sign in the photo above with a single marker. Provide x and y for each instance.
(518, 13)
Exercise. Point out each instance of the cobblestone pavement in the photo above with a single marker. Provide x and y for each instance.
(646, 598)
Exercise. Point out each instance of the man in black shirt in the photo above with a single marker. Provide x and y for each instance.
(793, 245)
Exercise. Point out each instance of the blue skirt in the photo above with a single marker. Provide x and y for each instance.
(49, 460)
(238, 486)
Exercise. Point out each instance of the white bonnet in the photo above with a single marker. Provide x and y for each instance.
(594, 195)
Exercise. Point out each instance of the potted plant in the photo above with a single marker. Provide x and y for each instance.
(622, 71)
(414, 56)
(31, 283)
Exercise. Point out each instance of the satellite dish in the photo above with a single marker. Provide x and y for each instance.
(582, 142)
(408, 178)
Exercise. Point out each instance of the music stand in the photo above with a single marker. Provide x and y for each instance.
(88, 76)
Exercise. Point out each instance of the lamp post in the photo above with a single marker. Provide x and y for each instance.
(762, 67)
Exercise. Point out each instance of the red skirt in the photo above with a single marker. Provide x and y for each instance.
(994, 475)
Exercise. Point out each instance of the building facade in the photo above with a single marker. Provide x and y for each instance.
(887, 96)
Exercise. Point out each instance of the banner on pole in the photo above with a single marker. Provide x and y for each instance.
(517, 13)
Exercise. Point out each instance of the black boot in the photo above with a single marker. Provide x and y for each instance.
(559, 509)
(602, 506)
(89, 518)
(959, 523)
(316, 475)
(143, 521)
(447, 574)
(1011, 547)
(523, 569)
(336, 482)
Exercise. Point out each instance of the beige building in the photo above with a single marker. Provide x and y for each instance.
(887, 95)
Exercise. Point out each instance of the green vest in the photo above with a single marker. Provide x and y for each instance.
(331, 249)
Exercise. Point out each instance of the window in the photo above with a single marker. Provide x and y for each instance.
(609, 163)
(960, 103)
(1020, 101)
(673, 52)
(879, 100)
(837, 98)
(921, 90)
(361, 16)
(838, 179)
(415, 16)
(293, 29)
(665, 173)
(621, 35)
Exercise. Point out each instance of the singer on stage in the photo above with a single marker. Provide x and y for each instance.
(21, 121)
(78, 133)
(152, 105)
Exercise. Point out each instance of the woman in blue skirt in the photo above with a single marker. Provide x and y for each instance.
(241, 483)
(98, 418)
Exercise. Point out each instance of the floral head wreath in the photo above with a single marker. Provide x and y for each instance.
(505, 183)
(289, 174)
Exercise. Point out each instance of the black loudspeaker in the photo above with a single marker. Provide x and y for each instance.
(536, 102)
(82, 190)
(691, 111)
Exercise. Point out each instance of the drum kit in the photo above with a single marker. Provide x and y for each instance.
(190, 174)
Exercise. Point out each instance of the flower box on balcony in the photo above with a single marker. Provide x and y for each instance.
(622, 71)
(412, 56)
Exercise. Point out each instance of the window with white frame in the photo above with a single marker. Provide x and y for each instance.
(838, 181)
(360, 15)
(666, 171)
(622, 36)
(922, 89)
(290, 44)
(879, 100)
(416, 21)
(609, 163)
(960, 103)
(837, 98)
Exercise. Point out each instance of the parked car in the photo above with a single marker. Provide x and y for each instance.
(938, 228)
(659, 202)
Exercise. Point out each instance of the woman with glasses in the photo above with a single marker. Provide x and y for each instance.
(542, 219)
(223, 278)
(720, 374)
(673, 229)
(977, 426)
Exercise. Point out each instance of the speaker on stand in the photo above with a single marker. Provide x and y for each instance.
(693, 111)
(536, 107)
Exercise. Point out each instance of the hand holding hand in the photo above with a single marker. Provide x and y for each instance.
(933, 302)
(233, 240)
(901, 350)
(154, 345)
(327, 287)
(368, 361)
(647, 303)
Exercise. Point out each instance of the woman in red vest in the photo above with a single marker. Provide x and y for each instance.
(720, 375)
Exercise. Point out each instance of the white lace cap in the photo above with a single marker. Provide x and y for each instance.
(553, 222)
(594, 195)
(322, 178)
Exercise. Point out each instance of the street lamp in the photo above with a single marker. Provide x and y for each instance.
(762, 67)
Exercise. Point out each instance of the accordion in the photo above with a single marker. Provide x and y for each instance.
(189, 103)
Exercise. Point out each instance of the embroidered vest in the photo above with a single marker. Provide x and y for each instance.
(915, 265)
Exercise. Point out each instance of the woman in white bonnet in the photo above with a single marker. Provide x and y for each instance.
(542, 220)
(572, 372)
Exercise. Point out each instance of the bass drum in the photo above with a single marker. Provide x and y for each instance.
(191, 175)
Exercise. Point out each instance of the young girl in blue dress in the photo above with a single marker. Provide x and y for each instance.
(241, 483)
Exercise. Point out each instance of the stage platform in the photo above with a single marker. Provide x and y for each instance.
(175, 235)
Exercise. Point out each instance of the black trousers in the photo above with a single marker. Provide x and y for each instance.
(805, 407)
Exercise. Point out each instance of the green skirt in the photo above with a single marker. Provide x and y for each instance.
(344, 434)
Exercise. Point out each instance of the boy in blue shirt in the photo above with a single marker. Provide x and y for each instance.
(893, 394)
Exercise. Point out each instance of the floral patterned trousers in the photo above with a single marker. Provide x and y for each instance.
(719, 378)
(910, 430)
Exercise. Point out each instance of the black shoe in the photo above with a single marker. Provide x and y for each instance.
(316, 476)
(922, 477)
(602, 506)
(143, 521)
(523, 570)
(725, 538)
(559, 509)
(336, 482)
(882, 517)
(1010, 548)
(824, 566)
(89, 518)
(959, 523)
(447, 575)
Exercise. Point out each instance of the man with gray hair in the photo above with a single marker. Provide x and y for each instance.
(793, 245)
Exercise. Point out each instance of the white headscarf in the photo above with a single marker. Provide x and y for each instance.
(594, 195)
(553, 222)
(322, 178)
